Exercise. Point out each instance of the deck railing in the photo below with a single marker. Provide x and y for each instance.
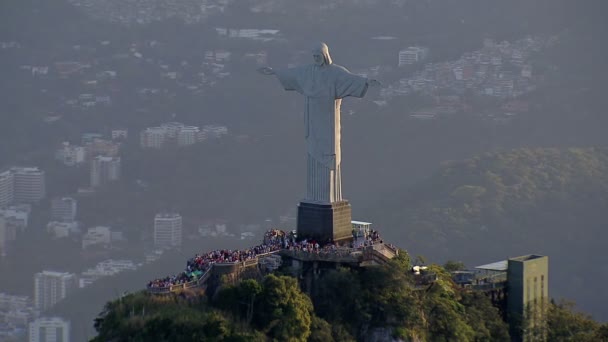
(205, 276)
(376, 252)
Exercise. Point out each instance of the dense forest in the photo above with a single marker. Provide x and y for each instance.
(360, 304)
(547, 201)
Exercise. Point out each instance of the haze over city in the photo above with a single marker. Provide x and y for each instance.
(137, 134)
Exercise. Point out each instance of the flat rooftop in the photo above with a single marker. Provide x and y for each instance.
(527, 257)
(495, 266)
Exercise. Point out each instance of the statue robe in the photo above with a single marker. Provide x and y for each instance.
(323, 88)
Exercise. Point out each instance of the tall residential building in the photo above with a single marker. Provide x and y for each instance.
(70, 155)
(188, 135)
(6, 188)
(172, 128)
(528, 297)
(412, 55)
(51, 287)
(168, 230)
(29, 184)
(104, 170)
(153, 137)
(6, 235)
(49, 329)
(63, 209)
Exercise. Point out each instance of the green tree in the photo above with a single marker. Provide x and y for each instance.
(284, 312)
(452, 266)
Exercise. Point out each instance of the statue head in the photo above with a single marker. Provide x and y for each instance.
(320, 54)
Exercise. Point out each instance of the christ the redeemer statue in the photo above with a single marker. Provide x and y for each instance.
(323, 85)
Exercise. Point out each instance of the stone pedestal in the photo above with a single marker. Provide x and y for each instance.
(324, 222)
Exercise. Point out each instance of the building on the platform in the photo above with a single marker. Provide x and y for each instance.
(521, 285)
(50, 287)
(49, 329)
(168, 230)
(104, 170)
(29, 184)
(528, 297)
(63, 209)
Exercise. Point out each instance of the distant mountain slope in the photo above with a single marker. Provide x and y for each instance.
(487, 208)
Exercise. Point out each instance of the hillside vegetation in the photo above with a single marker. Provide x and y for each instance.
(379, 303)
(499, 205)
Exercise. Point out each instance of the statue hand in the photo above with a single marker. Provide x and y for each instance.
(266, 71)
(373, 83)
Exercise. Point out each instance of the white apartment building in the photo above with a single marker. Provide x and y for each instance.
(6, 188)
(412, 55)
(70, 155)
(29, 184)
(7, 234)
(188, 135)
(49, 329)
(168, 230)
(17, 214)
(62, 229)
(104, 170)
(63, 209)
(172, 128)
(50, 287)
(213, 131)
(105, 268)
(99, 235)
(119, 134)
(153, 137)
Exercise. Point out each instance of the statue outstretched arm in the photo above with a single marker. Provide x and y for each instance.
(266, 71)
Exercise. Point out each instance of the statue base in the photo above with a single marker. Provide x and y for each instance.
(325, 222)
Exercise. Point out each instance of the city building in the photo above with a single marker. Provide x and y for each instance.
(29, 184)
(62, 229)
(412, 55)
(153, 137)
(63, 209)
(104, 170)
(172, 128)
(528, 298)
(118, 134)
(212, 131)
(101, 236)
(188, 135)
(168, 230)
(6, 188)
(15, 314)
(49, 329)
(50, 287)
(105, 268)
(102, 147)
(70, 155)
(17, 214)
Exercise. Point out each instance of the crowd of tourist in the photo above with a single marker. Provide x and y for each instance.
(274, 240)
(198, 265)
